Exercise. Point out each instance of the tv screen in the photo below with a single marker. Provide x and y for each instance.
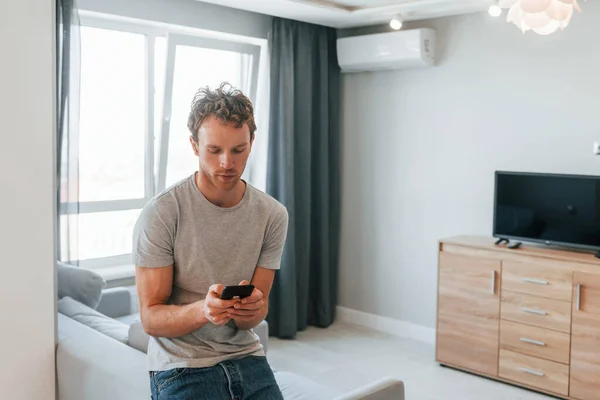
(548, 208)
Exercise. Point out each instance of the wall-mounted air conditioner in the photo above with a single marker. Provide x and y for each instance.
(384, 51)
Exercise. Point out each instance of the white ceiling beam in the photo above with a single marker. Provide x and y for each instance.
(336, 15)
(418, 5)
(326, 4)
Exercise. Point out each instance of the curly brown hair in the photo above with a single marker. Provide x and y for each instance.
(226, 103)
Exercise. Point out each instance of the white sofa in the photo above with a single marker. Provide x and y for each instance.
(92, 365)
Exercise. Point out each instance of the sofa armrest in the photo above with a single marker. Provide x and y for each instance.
(262, 331)
(93, 366)
(383, 389)
(115, 302)
(138, 338)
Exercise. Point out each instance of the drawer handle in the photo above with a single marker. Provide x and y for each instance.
(531, 371)
(532, 311)
(537, 281)
(532, 341)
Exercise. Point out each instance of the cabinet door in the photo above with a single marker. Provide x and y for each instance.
(468, 313)
(585, 338)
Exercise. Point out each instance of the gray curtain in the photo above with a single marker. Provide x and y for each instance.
(67, 144)
(304, 173)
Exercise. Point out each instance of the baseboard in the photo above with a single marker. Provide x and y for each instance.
(392, 326)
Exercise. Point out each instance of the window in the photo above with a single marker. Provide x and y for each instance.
(193, 63)
(137, 83)
(112, 119)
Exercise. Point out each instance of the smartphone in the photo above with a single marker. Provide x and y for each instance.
(241, 291)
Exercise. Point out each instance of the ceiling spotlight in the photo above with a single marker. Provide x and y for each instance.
(495, 10)
(396, 23)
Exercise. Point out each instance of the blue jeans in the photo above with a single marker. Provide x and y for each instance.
(249, 378)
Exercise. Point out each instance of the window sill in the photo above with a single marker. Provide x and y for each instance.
(118, 275)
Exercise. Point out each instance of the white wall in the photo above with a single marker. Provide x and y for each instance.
(27, 306)
(420, 148)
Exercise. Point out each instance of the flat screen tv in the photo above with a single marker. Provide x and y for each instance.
(552, 209)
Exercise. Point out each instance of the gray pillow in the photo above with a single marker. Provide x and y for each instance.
(92, 318)
(80, 284)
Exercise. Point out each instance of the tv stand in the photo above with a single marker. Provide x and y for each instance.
(514, 245)
(597, 255)
(501, 240)
(513, 315)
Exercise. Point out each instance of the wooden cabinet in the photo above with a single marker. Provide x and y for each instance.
(468, 312)
(585, 339)
(528, 316)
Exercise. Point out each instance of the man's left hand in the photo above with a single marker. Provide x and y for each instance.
(250, 308)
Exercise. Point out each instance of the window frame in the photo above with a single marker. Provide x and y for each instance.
(174, 40)
(174, 35)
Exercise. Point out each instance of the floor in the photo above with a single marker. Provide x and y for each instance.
(347, 357)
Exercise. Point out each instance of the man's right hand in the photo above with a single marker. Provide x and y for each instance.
(215, 309)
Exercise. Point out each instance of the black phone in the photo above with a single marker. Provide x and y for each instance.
(241, 291)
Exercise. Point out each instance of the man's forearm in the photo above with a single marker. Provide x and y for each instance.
(171, 321)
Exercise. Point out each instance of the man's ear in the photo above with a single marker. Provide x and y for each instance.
(194, 144)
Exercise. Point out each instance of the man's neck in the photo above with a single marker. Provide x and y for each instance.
(219, 197)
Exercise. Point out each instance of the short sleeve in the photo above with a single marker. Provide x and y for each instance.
(152, 239)
(272, 249)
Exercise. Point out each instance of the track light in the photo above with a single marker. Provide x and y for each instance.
(396, 23)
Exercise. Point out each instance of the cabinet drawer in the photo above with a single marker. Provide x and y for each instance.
(536, 311)
(534, 372)
(534, 341)
(536, 280)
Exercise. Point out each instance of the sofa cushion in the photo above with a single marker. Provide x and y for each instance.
(92, 318)
(80, 284)
(138, 338)
(116, 302)
(295, 387)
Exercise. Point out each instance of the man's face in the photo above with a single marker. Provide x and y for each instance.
(223, 151)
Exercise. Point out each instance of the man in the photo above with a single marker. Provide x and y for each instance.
(208, 231)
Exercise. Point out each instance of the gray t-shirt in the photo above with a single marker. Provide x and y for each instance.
(207, 244)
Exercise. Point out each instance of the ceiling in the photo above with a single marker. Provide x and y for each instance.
(355, 13)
